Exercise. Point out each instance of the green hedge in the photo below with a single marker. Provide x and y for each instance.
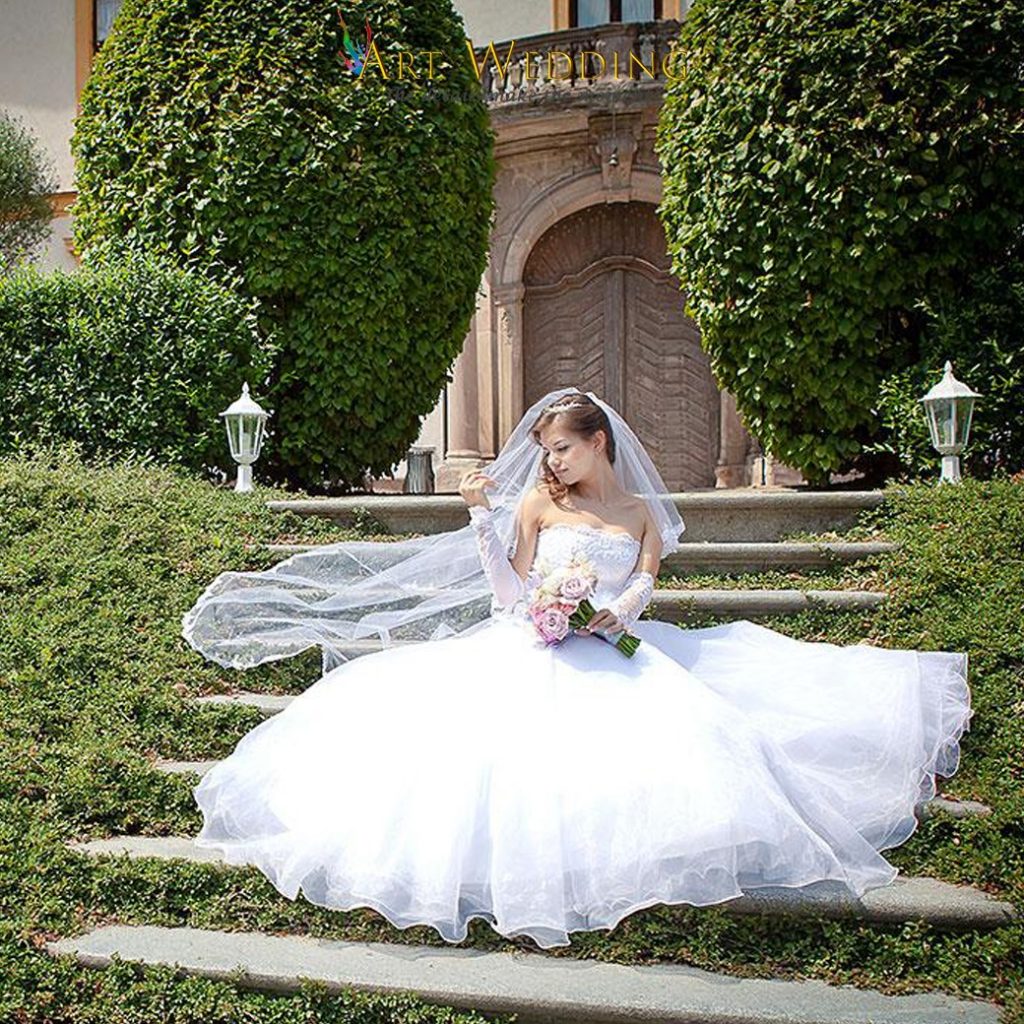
(357, 211)
(130, 358)
(833, 170)
(983, 327)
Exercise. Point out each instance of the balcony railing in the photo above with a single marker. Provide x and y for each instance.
(619, 55)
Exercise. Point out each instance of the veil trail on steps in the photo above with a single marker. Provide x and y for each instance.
(357, 597)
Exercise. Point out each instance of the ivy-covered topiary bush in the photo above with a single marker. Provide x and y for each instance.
(233, 135)
(834, 170)
(129, 359)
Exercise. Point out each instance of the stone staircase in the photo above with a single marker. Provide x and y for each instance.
(728, 532)
(725, 516)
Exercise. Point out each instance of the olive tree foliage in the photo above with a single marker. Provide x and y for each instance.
(835, 171)
(356, 208)
(27, 179)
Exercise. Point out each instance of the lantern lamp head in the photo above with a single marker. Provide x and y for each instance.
(245, 422)
(949, 407)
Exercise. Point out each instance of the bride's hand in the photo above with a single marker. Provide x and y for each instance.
(472, 485)
(604, 621)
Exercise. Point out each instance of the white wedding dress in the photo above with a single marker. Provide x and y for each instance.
(555, 789)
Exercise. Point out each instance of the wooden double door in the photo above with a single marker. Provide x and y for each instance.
(602, 312)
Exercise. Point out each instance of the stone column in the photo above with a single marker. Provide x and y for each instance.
(463, 418)
(732, 469)
(511, 405)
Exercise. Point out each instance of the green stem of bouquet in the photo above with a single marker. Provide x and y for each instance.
(585, 611)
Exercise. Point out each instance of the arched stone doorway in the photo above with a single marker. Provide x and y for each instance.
(602, 311)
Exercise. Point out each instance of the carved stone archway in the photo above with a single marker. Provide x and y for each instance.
(562, 161)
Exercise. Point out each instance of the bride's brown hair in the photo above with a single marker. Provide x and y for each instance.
(580, 415)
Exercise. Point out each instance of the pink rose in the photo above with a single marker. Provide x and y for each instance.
(575, 587)
(553, 624)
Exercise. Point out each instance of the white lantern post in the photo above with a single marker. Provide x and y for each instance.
(245, 422)
(949, 407)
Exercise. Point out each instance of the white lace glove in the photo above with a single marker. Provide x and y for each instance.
(507, 585)
(633, 598)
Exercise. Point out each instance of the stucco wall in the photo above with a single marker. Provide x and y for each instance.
(37, 74)
(488, 20)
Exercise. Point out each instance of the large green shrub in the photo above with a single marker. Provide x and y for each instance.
(26, 180)
(984, 329)
(232, 135)
(127, 359)
(830, 165)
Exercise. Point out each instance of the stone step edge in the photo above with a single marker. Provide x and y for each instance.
(760, 601)
(667, 601)
(940, 903)
(956, 808)
(710, 498)
(709, 515)
(765, 554)
(537, 987)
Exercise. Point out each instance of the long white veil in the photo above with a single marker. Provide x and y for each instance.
(357, 597)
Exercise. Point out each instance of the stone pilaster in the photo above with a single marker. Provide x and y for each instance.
(733, 468)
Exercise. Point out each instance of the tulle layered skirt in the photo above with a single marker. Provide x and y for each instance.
(549, 790)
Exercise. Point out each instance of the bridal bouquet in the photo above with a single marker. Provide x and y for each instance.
(560, 603)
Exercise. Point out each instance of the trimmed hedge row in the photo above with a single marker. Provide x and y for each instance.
(134, 358)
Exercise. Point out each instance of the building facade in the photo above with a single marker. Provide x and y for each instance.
(577, 290)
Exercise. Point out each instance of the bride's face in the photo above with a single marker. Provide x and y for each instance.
(571, 456)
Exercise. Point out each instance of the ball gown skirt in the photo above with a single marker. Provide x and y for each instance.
(556, 789)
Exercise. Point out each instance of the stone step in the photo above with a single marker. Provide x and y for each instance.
(742, 603)
(680, 605)
(908, 898)
(538, 988)
(728, 557)
(955, 808)
(739, 556)
(947, 805)
(269, 704)
(754, 515)
(171, 767)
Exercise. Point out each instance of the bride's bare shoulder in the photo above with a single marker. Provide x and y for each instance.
(536, 501)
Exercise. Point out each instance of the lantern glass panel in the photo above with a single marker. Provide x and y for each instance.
(965, 412)
(949, 423)
(942, 413)
(245, 433)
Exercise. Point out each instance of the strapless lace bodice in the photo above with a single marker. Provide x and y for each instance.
(613, 556)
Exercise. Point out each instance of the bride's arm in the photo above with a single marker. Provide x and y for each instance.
(507, 577)
(637, 591)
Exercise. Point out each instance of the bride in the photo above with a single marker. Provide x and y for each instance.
(465, 767)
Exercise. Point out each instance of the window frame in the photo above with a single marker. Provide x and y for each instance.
(614, 12)
(95, 11)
